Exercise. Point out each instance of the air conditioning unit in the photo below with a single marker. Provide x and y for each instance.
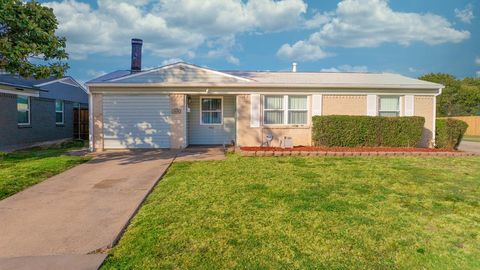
(287, 142)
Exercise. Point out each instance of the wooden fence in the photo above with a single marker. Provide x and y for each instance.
(80, 123)
(473, 124)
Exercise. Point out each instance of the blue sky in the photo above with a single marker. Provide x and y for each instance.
(409, 37)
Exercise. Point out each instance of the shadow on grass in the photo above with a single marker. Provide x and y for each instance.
(24, 168)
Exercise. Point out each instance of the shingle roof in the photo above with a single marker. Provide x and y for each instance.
(65, 88)
(187, 74)
(326, 79)
(110, 76)
(18, 81)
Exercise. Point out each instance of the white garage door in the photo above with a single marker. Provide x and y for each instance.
(136, 121)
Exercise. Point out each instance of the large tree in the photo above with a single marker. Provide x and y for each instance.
(459, 97)
(28, 44)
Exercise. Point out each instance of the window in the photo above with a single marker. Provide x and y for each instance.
(297, 110)
(23, 110)
(278, 110)
(389, 106)
(59, 112)
(211, 111)
(273, 110)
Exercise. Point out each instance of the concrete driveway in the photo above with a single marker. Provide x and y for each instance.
(468, 146)
(78, 212)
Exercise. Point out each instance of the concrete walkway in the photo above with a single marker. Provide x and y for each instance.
(468, 146)
(199, 153)
(78, 212)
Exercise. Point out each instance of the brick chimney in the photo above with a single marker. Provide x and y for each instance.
(136, 55)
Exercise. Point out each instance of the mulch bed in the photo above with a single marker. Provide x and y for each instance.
(348, 151)
(345, 149)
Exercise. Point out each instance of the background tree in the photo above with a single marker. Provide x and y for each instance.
(28, 44)
(459, 97)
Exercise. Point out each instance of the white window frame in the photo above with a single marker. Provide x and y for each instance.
(202, 111)
(285, 110)
(28, 111)
(399, 105)
(287, 97)
(62, 111)
(273, 110)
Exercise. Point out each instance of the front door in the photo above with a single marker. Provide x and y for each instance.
(211, 120)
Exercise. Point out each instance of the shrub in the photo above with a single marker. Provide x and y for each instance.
(352, 131)
(449, 133)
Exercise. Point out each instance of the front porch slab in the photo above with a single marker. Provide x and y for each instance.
(196, 153)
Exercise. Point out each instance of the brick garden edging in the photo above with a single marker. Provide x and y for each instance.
(352, 154)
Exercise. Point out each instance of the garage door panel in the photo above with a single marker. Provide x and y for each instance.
(136, 121)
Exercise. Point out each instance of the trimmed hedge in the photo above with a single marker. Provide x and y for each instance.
(449, 132)
(352, 131)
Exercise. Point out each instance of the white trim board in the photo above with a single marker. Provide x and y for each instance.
(134, 91)
(64, 80)
(317, 104)
(30, 93)
(255, 100)
(201, 111)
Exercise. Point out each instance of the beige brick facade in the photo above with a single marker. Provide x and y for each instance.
(424, 106)
(248, 136)
(178, 137)
(255, 136)
(97, 108)
(344, 105)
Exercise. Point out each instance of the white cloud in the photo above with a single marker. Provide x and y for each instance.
(169, 28)
(221, 47)
(477, 60)
(346, 68)
(171, 61)
(301, 51)
(465, 15)
(95, 73)
(317, 20)
(276, 15)
(233, 60)
(370, 23)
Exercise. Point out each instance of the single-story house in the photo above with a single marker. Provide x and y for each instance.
(38, 111)
(181, 104)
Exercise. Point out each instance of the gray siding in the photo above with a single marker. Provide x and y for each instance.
(65, 91)
(136, 121)
(211, 134)
(42, 122)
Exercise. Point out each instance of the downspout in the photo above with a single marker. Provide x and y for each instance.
(90, 120)
(434, 144)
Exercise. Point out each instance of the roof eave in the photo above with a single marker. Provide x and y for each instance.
(266, 85)
(23, 87)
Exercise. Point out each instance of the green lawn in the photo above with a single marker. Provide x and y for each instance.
(309, 213)
(21, 169)
(471, 138)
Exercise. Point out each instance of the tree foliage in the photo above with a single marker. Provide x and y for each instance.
(459, 97)
(28, 44)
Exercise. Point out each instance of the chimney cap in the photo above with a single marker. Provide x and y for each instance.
(137, 41)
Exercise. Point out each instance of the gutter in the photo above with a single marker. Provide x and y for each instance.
(90, 120)
(230, 86)
(22, 87)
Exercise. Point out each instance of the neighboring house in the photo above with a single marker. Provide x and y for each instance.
(36, 111)
(182, 104)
